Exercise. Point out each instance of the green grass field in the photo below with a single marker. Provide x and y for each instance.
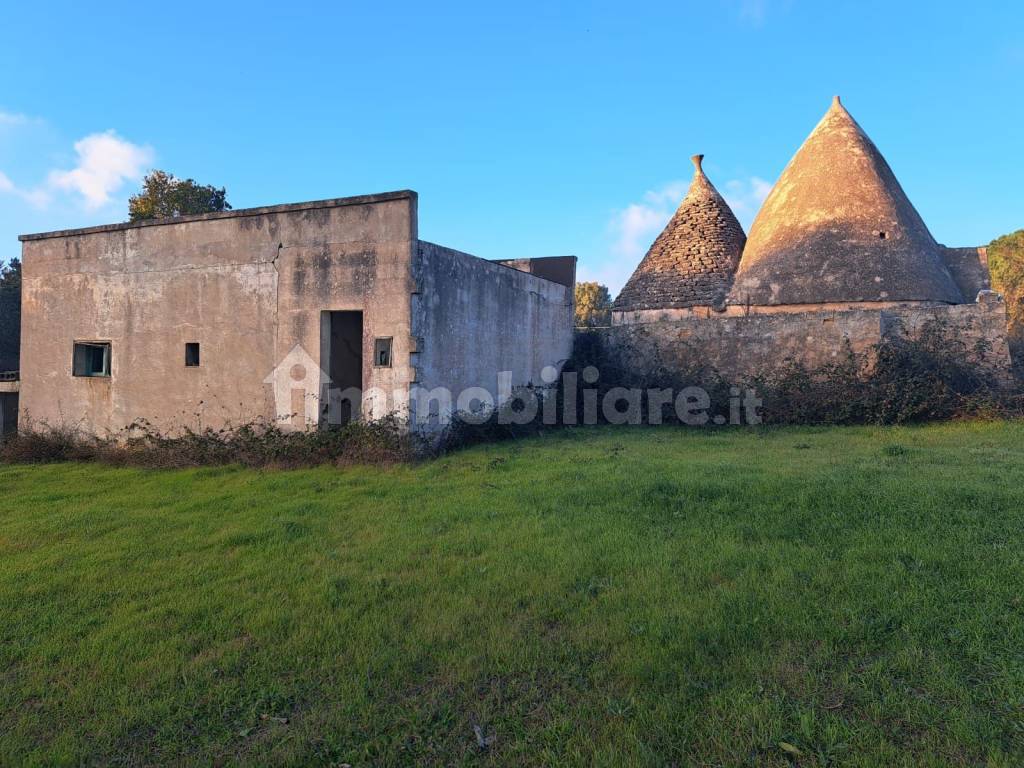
(599, 597)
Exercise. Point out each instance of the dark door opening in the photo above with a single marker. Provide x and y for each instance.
(341, 347)
(8, 413)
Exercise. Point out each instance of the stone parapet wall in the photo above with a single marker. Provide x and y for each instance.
(981, 324)
(740, 347)
(969, 268)
(632, 317)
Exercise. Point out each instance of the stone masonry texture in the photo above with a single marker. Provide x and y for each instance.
(837, 226)
(741, 347)
(692, 261)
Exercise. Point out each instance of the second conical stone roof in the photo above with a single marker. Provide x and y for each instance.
(692, 261)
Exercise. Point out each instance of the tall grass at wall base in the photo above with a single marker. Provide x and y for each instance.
(385, 441)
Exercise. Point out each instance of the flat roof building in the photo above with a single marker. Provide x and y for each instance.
(276, 314)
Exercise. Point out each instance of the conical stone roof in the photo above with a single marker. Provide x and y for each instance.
(837, 227)
(692, 261)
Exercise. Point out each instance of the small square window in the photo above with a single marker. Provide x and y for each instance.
(382, 353)
(91, 359)
(192, 354)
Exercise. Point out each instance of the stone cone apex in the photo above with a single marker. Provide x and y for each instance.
(838, 227)
(692, 261)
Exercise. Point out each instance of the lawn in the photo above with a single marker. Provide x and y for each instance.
(607, 596)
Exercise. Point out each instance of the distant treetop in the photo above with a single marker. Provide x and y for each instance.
(593, 305)
(164, 196)
(1006, 262)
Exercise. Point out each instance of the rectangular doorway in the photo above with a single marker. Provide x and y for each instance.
(8, 413)
(341, 355)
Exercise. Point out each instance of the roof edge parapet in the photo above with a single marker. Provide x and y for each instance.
(335, 202)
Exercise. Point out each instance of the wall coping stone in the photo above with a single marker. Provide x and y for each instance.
(336, 202)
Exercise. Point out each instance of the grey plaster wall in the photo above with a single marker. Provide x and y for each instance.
(249, 286)
(474, 318)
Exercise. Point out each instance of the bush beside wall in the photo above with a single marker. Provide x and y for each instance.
(380, 442)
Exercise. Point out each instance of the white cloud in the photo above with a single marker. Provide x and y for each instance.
(635, 227)
(105, 163)
(745, 197)
(612, 274)
(11, 118)
(37, 197)
(631, 231)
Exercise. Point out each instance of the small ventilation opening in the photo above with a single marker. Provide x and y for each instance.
(382, 353)
(883, 235)
(192, 354)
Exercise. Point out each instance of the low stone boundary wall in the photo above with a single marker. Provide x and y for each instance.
(745, 346)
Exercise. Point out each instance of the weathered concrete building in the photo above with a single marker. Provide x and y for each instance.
(272, 314)
(837, 257)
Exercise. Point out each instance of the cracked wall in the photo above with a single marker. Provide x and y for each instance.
(247, 285)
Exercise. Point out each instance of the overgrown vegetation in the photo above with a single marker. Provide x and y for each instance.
(253, 445)
(164, 196)
(934, 375)
(611, 597)
(931, 376)
(1006, 264)
(10, 315)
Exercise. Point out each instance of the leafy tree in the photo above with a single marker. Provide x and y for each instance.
(1006, 262)
(10, 315)
(164, 196)
(593, 305)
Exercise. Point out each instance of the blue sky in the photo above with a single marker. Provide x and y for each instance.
(528, 129)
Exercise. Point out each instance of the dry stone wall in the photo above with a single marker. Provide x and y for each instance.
(742, 347)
